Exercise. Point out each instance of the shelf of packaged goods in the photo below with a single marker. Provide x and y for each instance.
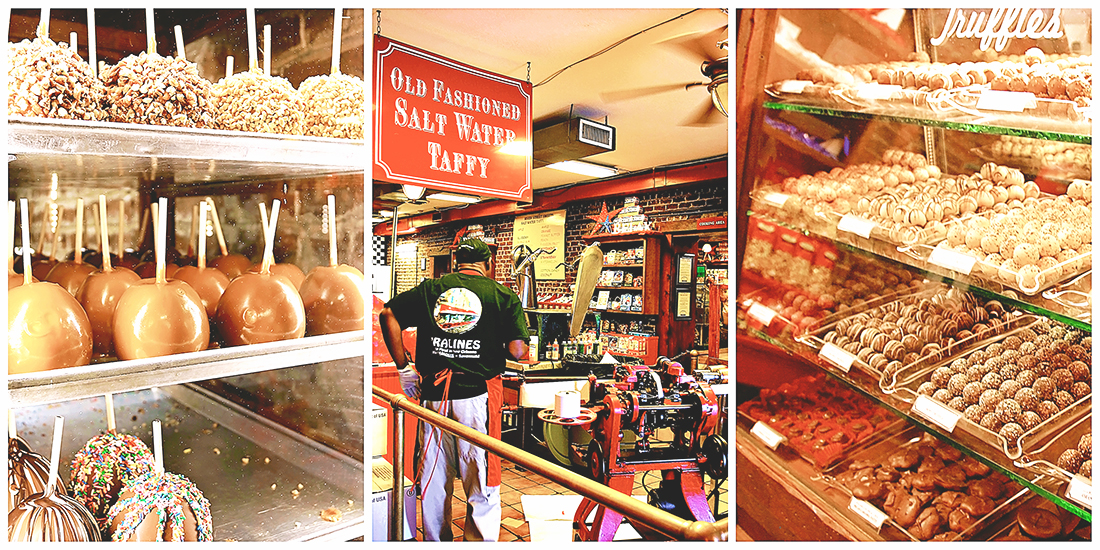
(1042, 303)
(622, 265)
(594, 310)
(106, 154)
(1030, 127)
(264, 481)
(55, 386)
(620, 288)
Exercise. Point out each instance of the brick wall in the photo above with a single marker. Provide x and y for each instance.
(662, 205)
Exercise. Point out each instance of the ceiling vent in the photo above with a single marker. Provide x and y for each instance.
(571, 140)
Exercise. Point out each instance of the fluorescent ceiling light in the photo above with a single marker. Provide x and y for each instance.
(454, 198)
(518, 148)
(584, 168)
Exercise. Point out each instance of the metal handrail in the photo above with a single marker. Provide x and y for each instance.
(655, 518)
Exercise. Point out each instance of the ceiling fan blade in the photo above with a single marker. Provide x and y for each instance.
(699, 46)
(634, 93)
(706, 114)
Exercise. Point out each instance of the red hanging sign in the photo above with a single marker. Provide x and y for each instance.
(442, 124)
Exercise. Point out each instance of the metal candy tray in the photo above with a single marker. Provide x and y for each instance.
(264, 482)
(879, 452)
(116, 154)
(1011, 449)
(120, 376)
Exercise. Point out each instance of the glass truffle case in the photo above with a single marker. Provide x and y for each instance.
(914, 253)
(271, 430)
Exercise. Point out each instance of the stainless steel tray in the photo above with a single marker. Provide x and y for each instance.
(116, 154)
(122, 376)
(891, 530)
(207, 439)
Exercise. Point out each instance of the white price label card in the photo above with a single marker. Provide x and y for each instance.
(940, 414)
(1080, 491)
(854, 224)
(793, 86)
(761, 313)
(767, 436)
(775, 199)
(1003, 100)
(837, 356)
(875, 91)
(953, 260)
(867, 511)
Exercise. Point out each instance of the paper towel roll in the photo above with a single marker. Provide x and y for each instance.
(567, 404)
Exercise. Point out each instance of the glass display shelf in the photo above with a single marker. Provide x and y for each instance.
(1019, 126)
(264, 481)
(97, 379)
(1067, 301)
(42, 152)
(896, 403)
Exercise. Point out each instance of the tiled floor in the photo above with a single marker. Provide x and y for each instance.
(516, 483)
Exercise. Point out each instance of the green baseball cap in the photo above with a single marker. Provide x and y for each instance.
(472, 250)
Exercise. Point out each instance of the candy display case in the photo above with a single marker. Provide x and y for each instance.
(966, 162)
(272, 432)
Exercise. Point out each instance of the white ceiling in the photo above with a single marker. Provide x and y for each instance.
(653, 128)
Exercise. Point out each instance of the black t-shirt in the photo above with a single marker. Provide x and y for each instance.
(464, 323)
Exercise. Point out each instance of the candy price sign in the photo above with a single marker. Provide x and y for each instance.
(442, 124)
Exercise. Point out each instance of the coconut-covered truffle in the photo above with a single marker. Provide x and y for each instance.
(153, 89)
(46, 79)
(335, 106)
(254, 102)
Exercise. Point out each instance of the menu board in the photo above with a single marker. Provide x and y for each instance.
(543, 230)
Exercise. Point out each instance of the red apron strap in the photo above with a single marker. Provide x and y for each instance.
(496, 405)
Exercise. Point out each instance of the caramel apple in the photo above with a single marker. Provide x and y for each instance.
(47, 328)
(334, 296)
(71, 274)
(292, 273)
(101, 291)
(261, 307)
(208, 282)
(230, 264)
(42, 266)
(14, 279)
(157, 317)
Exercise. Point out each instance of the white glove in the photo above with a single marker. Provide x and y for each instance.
(410, 382)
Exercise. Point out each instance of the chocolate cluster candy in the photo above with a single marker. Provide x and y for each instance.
(1041, 519)
(1011, 386)
(897, 334)
(820, 417)
(930, 488)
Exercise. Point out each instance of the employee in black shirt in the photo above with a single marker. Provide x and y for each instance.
(467, 326)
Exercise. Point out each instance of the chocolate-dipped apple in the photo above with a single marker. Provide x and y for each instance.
(47, 328)
(334, 296)
(157, 317)
(261, 307)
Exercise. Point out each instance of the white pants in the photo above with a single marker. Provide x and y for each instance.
(443, 456)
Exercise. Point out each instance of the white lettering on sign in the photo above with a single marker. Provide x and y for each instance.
(445, 161)
(998, 26)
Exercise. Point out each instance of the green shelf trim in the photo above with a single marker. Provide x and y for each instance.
(1084, 139)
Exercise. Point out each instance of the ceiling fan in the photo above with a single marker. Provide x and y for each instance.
(708, 47)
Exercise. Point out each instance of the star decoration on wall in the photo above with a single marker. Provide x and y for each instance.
(603, 220)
